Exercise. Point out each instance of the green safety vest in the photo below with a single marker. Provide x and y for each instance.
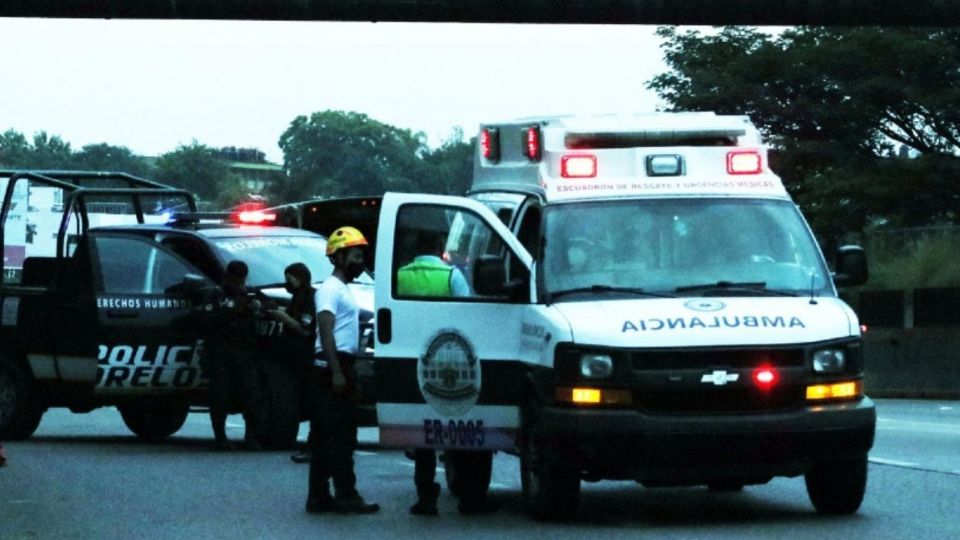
(424, 278)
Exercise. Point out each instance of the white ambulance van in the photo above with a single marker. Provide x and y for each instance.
(644, 302)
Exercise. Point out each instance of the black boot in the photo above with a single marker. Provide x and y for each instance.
(303, 456)
(426, 501)
(353, 504)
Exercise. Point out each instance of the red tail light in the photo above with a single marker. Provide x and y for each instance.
(490, 143)
(744, 162)
(578, 166)
(532, 143)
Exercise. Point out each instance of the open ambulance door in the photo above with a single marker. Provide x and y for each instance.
(449, 370)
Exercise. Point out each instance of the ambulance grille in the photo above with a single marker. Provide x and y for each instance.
(656, 392)
(716, 358)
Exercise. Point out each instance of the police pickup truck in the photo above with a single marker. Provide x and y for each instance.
(646, 302)
(93, 313)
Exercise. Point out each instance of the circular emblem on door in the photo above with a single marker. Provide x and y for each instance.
(702, 304)
(449, 374)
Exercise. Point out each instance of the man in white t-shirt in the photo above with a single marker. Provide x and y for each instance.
(338, 340)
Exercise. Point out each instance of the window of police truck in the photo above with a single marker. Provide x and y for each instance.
(665, 244)
(268, 256)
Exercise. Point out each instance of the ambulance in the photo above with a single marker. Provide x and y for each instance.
(646, 303)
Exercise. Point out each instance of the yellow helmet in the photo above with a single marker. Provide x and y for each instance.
(345, 237)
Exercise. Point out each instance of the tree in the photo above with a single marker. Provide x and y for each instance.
(448, 170)
(337, 153)
(833, 102)
(197, 168)
(50, 152)
(15, 150)
(105, 157)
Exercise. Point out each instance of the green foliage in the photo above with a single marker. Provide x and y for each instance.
(52, 152)
(14, 150)
(834, 102)
(927, 262)
(336, 153)
(106, 157)
(197, 168)
(447, 170)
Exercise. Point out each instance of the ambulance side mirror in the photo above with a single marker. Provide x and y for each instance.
(490, 279)
(850, 264)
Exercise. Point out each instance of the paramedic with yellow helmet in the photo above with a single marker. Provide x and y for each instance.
(338, 341)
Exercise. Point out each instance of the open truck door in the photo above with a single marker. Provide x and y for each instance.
(448, 367)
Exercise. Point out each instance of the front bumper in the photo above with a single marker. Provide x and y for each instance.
(690, 450)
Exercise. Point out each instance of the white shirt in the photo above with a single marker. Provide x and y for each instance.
(334, 296)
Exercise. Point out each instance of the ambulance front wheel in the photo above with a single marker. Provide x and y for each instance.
(838, 487)
(154, 421)
(551, 487)
(20, 412)
(467, 471)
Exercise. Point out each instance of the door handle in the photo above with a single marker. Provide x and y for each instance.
(123, 314)
(384, 324)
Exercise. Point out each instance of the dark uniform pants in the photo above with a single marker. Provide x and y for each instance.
(334, 425)
(233, 371)
(472, 470)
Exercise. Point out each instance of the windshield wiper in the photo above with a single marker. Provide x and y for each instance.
(733, 286)
(598, 289)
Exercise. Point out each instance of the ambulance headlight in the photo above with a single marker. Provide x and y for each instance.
(829, 361)
(596, 366)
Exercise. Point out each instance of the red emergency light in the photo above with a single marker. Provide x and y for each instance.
(578, 166)
(766, 377)
(490, 143)
(532, 143)
(255, 217)
(744, 162)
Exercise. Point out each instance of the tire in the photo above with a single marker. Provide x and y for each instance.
(464, 472)
(283, 408)
(152, 422)
(838, 487)
(20, 413)
(551, 488)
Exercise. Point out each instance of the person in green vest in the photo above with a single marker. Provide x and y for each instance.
(428, 275)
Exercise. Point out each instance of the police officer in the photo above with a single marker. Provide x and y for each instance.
(428, 275)
(300, 335)
(230, 354)
(338, 341)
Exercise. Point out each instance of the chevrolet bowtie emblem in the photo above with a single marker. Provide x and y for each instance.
(719, 377)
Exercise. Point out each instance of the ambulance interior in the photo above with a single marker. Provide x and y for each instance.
(662, 245)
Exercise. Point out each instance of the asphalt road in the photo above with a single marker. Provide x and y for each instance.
(85, 476)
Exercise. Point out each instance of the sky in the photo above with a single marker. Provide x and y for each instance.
(154, 85)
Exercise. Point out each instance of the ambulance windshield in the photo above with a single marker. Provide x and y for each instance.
(704, 246)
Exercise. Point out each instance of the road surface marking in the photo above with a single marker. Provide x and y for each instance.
(895, 463)
(912, 425)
